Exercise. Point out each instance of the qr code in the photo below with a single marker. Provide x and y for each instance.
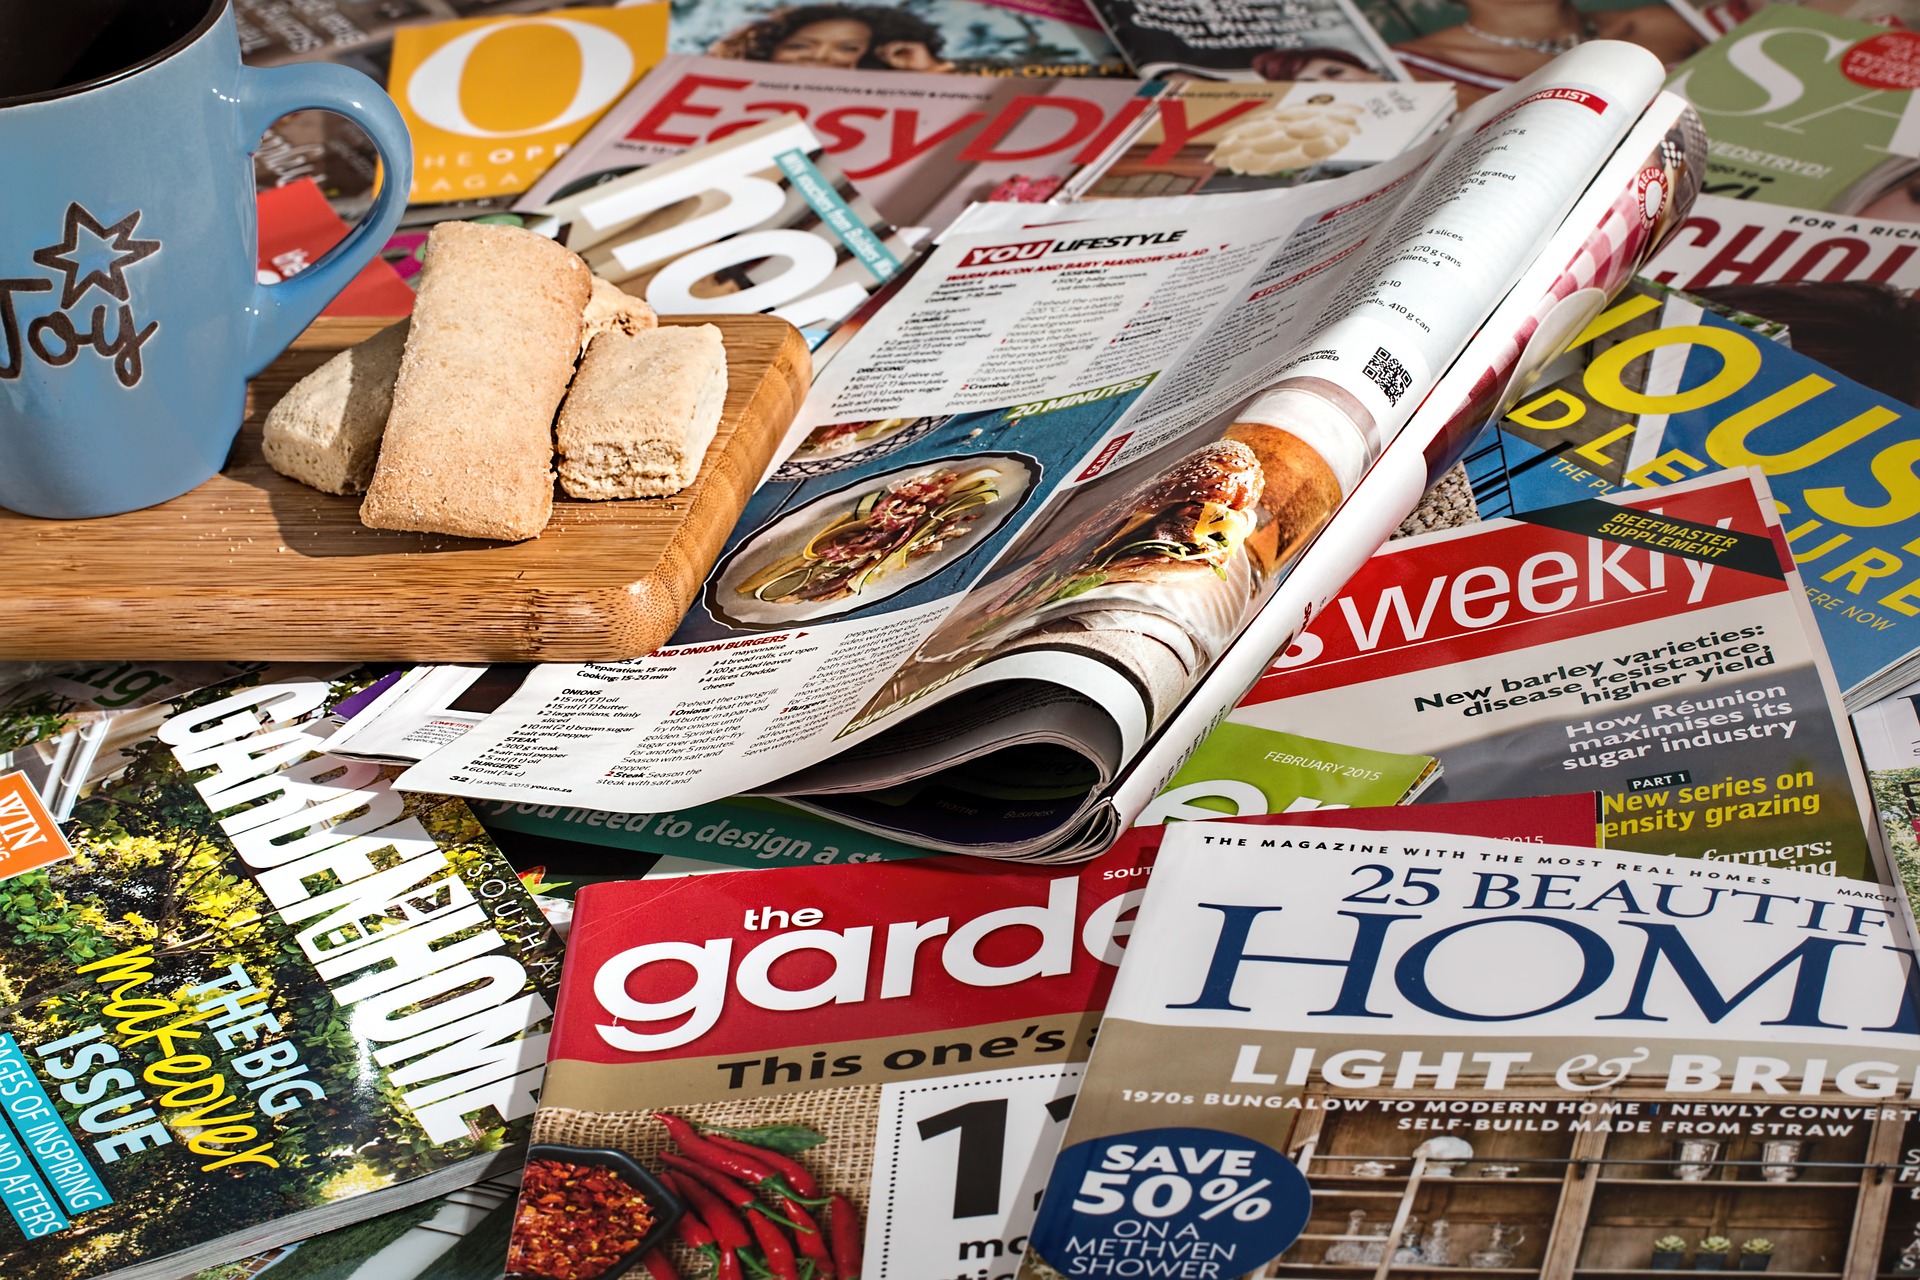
(1388, 374)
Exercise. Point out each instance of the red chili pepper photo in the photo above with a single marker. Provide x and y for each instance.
(797, 1175)
(726, 1225)
(774, 1245)
(718, 1183)
(750, 1169)
(843, 1237)
(811, 1240)
(656, 1265)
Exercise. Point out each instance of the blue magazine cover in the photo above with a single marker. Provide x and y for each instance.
(1664, 386)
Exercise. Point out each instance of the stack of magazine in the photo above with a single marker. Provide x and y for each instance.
(1518, 878)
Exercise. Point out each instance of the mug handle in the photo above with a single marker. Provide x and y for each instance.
(281, 311)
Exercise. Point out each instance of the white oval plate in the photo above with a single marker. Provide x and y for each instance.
(787, 535)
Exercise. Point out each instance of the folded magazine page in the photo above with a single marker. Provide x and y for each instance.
(1321, 1058)
(253, 992)
(1058, 501)
(1618, 221)
(1237, 770)
(1564, 649)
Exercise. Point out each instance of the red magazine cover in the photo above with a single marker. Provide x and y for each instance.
(854, 1062)
(297, 226)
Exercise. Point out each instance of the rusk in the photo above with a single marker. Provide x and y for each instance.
(469, 443)
(325, 432)
(642, 412)
(612, 309)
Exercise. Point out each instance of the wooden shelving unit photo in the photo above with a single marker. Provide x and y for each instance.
(1591, 1193)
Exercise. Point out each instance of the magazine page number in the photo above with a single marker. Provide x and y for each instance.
(1413, 881)
(959, 1165)
(982, 1150)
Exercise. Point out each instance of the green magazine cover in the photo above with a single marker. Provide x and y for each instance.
(249, 992)
(1811, 110)
(1242, 769)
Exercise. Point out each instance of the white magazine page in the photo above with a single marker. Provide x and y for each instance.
(1614, 1027)
(1052, 318)
(1634, 201)
(418, 715)
(1504, 183)
(1005, 384)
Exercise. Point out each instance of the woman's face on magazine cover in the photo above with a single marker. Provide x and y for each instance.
(908, 55)
(838, 42)
(1898, 203)
(1332, 69)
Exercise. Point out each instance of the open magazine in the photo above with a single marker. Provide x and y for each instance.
(1069, 469)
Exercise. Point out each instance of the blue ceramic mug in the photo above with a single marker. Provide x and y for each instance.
(130, 315)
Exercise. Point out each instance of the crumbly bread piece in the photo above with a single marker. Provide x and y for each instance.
(325, 432)
(469, 444)
(642, 412)
(612, 309)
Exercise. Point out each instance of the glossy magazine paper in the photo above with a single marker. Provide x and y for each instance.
(1360, 1053)
(1812, 110)
(1068, 466)
(265, 995)
(921, 146)
(1565, 648)
(1661, 387)
(1223, 39)
(899, 1043)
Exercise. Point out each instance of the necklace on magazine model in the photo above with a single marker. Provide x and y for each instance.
(1557, 45)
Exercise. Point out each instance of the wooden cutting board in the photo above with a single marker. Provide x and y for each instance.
(252, 566)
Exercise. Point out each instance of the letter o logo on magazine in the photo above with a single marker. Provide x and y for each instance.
(606, 65)
(809, 261)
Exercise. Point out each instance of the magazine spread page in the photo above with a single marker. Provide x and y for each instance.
(1567, 649)
(1613, 227)
(1322, 1050)
(1236, 770)
(1048, 501)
